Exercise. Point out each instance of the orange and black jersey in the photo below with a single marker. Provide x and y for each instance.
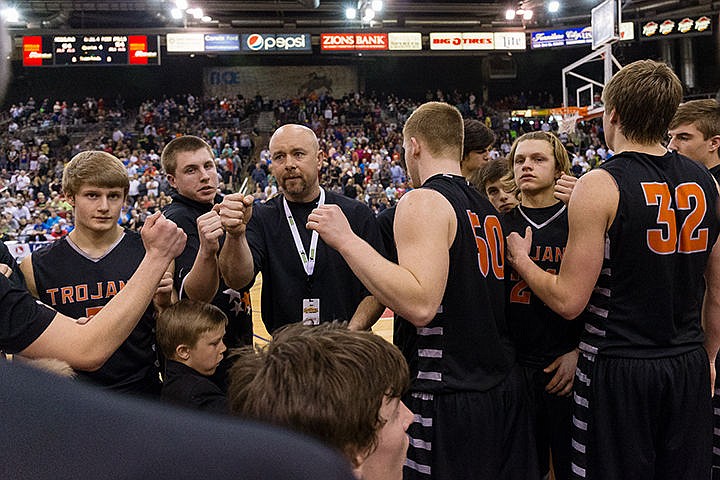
(466, 346)
(647, 302)
(78, 286)
(540, 335)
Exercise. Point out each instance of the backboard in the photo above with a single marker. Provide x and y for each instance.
(605, 21)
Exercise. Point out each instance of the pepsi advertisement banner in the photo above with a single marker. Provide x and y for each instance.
(276, 43)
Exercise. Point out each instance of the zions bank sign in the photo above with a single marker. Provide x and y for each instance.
(275, 42)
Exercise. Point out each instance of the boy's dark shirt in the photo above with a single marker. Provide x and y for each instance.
(188, 387)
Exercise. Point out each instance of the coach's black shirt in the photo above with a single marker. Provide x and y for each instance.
(285, 282)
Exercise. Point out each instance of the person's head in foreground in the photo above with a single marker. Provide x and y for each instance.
(339, 386)
(640, 101)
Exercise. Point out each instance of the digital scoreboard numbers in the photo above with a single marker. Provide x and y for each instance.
(88, 49)
(71, 50)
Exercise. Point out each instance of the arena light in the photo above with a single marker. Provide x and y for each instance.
(524, 13)
(350, 13)
(377, 5)
(368, 15)
(206, 18)
(10, 15)
(176, 13)
(181, 4)
(197, 13)
(553, 6)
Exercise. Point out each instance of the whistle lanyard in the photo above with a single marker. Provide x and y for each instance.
(308, 261)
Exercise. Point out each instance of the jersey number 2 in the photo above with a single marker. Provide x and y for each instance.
(665, 241)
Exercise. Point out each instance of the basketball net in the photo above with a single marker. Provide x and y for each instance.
(568, 123)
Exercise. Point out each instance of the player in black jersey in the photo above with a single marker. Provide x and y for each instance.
(77, 275)
(546, 343)
(695, 133)
(643, 231)
(36, 331)
(469, 400)
(190, 167)
(477, 143)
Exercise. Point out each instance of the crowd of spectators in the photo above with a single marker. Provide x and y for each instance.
(360, 136)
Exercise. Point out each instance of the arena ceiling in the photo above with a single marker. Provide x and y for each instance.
(317, 15)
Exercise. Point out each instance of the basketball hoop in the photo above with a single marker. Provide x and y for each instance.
(569, 117)
(568, 123)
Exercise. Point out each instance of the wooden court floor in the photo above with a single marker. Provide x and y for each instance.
(384, 326)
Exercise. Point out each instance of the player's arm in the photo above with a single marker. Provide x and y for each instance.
(711, 307)
(366, 314)
(424, 230)
(203, 280)
(165, 294)
(236, 260)
(591, 210)
(88, 346)
(27, 271)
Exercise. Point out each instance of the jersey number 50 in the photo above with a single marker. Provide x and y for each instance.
(491, 249)
(665, 241)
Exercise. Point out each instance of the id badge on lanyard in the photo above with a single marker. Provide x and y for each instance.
(311, 306)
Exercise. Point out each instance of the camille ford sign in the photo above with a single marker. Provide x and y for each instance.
(276, 42)
(573, 36)
(477, 41)
(338, 42)
(687, 26)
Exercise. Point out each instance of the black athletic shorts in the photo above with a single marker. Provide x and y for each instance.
(552, 423)
(472, 435)
(642, 418)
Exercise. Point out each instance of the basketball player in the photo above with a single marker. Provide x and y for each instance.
(546, 342)
(36, 331)
(695, 132)
(468, 396)
(303, 279)
(476, 146)
(642, 233)
(191, 171)
(78, 274)
(489, 181)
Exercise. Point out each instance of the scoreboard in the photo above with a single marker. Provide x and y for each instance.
(82, 49)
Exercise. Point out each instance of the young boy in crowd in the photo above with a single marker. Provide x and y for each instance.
(190, 336)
